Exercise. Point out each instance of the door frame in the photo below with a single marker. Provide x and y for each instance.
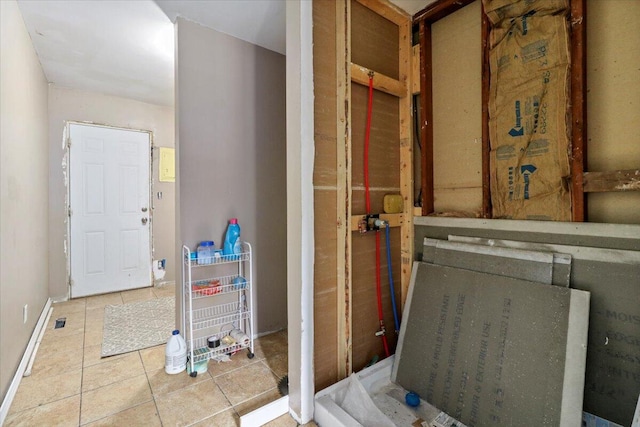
(67, 202)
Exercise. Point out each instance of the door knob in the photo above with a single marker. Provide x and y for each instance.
(144, 221)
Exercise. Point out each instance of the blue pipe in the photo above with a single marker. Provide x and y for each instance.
(393, 292)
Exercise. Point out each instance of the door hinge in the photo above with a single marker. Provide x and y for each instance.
(70, 281)
(69, 212)
(68, 142)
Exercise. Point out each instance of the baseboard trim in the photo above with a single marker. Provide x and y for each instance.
(266, 413)
(15, 383)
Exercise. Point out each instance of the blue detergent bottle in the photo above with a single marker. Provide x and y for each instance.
(232, 243)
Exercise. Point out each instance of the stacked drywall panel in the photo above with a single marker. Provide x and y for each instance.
(542, 267)
(605, 262)
(494, 350)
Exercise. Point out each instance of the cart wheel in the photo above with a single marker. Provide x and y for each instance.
(250, 355)
(194, 374)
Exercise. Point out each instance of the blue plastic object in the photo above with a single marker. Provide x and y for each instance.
(412, 399)
(232, 238)
(205, 252)
(239, 282)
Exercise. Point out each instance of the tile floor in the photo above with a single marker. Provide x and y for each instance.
(71, 385)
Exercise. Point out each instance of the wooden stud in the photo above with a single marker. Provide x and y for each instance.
(360, 74)
(426, 124)
(343, 194)
(394, 220)
(486, 143)
(439, 10)
(415, 70)
(406, 159)
(624, 180)
(578, 108)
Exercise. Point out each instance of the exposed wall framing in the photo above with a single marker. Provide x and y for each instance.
(582, 181)
(351, 39)
(578, 160)
(425, 19)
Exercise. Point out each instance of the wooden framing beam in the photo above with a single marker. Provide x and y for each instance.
(343, 194)
(578, 108)
(394, 220)
(623, 180)
(406, 157)
(415, 69)
(426, 124)
(360, 75)
(486, 143)
(439, 10)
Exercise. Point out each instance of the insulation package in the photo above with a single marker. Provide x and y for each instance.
(529, 110)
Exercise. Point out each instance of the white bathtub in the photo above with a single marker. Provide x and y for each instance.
(381, 392)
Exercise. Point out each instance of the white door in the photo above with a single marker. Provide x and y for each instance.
(109, 195)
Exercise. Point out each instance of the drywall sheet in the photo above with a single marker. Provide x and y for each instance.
(492, 350)
(528, 110)
(561, 271)
(535, 266)
(605, 236)
(613, 363)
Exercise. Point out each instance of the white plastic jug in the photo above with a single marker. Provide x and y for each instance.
(175, 360)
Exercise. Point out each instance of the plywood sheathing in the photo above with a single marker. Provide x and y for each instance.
(325, 194)
(345, 261)
(365, 317)
(374, 45)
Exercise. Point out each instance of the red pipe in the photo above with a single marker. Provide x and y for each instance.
(367, 136)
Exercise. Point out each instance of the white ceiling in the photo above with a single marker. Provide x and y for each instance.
(122, 48)
(126, 48)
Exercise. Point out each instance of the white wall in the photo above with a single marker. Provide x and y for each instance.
(76, 105)
(231, 136)
(24, 190)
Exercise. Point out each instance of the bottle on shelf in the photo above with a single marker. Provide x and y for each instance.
(205, 252)
(175, 360)
(232, 242)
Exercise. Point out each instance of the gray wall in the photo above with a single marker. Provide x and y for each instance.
(23, 199)
(230, 138)
(77, 105)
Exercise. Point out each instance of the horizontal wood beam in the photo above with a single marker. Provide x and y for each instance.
(386, 84)
(439, 10)
(394, 220)
(623, 180)
(387, 10)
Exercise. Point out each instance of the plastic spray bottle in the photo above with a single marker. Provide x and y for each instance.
(232, 243)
